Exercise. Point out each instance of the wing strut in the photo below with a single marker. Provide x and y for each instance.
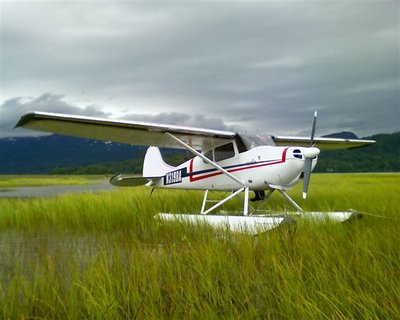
(230, 175)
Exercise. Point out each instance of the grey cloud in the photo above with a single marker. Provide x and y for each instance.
(262, 65)
(182, 119)
(12, 109)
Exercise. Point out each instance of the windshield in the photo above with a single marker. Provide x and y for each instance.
(257, 140)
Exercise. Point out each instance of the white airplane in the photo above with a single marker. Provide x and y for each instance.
(223, 161)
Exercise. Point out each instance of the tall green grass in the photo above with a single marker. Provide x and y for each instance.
(103, 256)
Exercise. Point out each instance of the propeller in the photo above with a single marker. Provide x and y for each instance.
(309, 153)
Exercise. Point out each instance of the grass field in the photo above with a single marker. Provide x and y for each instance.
(103, 256)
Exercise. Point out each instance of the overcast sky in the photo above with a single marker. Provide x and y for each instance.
(250, 66)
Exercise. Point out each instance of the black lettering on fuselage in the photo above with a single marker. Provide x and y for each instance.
(173, 177)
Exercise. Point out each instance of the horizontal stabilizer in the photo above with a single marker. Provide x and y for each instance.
(121, 180)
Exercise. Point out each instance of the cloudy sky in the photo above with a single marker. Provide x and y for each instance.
(250, 66)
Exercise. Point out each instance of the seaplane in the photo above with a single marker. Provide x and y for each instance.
(222, 161)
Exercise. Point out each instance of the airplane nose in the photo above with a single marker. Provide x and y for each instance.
(311, 152)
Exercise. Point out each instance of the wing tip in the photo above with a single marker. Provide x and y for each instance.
(26, 118)
(363, 143)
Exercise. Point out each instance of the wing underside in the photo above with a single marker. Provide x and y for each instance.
(321, 143)
(130, 132)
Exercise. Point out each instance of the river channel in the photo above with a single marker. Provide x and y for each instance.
(51, 191)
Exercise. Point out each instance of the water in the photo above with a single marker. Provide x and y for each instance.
(51, 191)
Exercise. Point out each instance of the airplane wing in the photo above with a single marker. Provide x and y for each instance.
(130, 132)
(147, 134)
(322, 143)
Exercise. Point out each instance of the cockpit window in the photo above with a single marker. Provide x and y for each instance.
(240, 145)
(255, 141)
(224, 152)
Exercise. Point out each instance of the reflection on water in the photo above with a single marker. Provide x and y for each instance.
(37, 254)
(64, 257)
(49, 191)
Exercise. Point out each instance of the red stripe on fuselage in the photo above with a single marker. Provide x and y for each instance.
(193, 179)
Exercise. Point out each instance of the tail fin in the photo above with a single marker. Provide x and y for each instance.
(154, 165)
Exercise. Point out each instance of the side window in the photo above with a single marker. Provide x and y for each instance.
(208, 155)
(224, 152)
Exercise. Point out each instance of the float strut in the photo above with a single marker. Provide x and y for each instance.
(223, 201)
(294, 204)
(203, 206)
(246, 201)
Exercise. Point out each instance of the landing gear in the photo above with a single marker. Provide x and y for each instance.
(265, 198)
(236, 223)
(292, 202)
(221, 202)
(253, 224)
(259, 196)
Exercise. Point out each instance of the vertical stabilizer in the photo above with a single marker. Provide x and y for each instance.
(154, 165)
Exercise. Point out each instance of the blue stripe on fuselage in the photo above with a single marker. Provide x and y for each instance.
(235, 166)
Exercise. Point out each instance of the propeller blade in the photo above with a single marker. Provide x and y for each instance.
(306, 177)
(310, 154)
(314, 125)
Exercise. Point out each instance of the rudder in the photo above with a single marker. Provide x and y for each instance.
(154, 165)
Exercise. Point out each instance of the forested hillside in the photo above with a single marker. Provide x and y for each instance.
(383, 156)
(32, 155)
(69, 155)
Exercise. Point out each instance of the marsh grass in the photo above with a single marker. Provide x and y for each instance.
(103, 256)
(11, 181)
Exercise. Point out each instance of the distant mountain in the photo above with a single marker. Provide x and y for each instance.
(61, 154)
(44, 154)
(342, 135)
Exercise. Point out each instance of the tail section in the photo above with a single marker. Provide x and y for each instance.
(154, 165)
